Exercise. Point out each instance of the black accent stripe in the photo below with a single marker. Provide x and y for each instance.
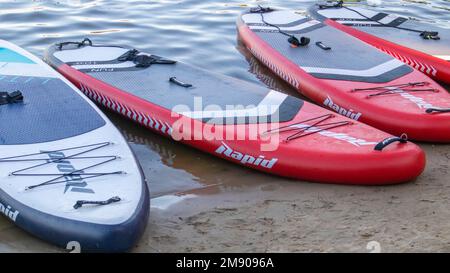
(397, 22)
(289, 108)
(379, 16)
(286, 112)
(385, 77)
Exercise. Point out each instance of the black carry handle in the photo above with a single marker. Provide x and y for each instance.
(180, 83)
(381, 145)
(322, 46)
(13, 97)
(437, 110)
(80, 203)
(79, 44)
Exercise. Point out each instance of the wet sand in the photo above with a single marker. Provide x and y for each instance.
(204, 204)
(275, 215)
(234, 209)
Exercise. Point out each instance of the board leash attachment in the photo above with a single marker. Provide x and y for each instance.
(294, 41)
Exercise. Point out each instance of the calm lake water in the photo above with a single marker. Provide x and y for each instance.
(198, 32)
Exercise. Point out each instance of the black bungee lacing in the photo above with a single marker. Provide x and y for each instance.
(80, 174)
(396, 89)
(294, 41)
(10, 97)
(427, 35)
(309, 129)
(403, 88)
(111, 200)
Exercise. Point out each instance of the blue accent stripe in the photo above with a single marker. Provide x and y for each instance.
(9, 56)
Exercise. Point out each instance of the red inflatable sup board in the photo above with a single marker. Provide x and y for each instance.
(238, 121)
(346, 75)
(422, 45)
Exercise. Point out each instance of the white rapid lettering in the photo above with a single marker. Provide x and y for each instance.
(245, 158)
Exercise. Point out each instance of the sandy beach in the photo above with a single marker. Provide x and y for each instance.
(275, 215)
(240, 210)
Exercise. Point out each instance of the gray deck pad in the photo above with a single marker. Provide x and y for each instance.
(339, 63)
(212, 98)
(51, 111)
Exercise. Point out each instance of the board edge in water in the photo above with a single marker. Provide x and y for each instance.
(60, 231)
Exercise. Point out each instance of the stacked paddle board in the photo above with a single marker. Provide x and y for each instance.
(346, 75)
(311, 143)
(422, 45)
(67, 175)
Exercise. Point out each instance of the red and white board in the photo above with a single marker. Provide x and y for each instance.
(270, 131)
(346, 75)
